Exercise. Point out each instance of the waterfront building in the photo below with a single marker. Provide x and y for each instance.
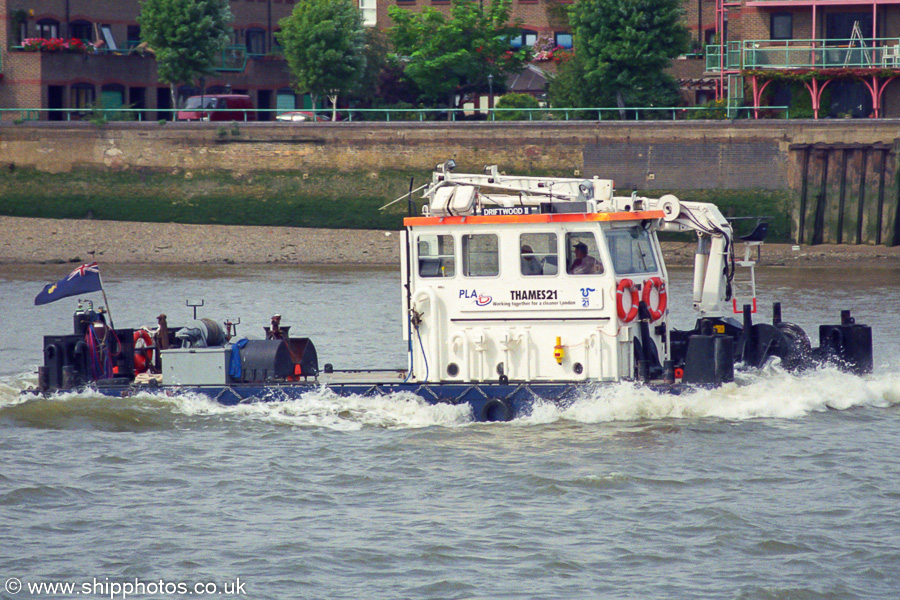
(841, 56)
(827, 58)
(113, 68)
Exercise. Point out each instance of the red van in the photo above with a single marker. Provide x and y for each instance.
(217, 107)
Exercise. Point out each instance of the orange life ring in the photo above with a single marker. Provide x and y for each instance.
(627, 284)
(660, 285)
(143, 354)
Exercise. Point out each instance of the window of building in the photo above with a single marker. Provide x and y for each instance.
(82, 30)
(582, 256)
(538, 254)
(782, 26)
(47, 28)
(107, 37)
(526, 37)
(631, 250)
(82, 95)
(277, 48)
(563, 39)
(436, 258)
(481, 256)
(133, 33)
(369, 12)
(256, 41)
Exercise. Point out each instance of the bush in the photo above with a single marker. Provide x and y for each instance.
(517, 101)
(714, 109)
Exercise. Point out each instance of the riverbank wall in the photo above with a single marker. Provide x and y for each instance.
(839, 178)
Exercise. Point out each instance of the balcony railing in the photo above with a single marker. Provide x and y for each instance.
(234, 59)
(732, 57)
(879, 53)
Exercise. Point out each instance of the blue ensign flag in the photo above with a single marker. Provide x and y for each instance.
(82, 280)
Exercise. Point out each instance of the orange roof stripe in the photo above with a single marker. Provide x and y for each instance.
(537, 218)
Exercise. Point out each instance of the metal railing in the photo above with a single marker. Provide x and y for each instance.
(732, 57)
(101, 115)
(878, 53)
(232, 59)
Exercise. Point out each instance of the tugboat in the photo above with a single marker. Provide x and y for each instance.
(513, 289)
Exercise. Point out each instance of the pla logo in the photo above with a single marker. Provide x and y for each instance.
(480, 299)
(586, 296)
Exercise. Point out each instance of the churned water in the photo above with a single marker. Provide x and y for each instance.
(776, 486)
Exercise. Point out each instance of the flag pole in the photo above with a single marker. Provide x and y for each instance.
(106, 301)
(103, 291)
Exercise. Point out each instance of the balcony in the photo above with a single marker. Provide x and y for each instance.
(751, 55)
(233, 59)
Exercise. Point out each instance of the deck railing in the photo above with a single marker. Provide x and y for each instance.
(878, 53)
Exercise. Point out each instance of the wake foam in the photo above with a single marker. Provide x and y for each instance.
(771, 393)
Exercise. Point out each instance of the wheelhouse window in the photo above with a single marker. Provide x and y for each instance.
(781, 26)
(436, 258)
(47, 28)
(581, 254)
(631, 250)
(481, 256)
(538, 254)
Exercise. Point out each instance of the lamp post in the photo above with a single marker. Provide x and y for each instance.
(491, 95)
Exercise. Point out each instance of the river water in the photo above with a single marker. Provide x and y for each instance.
(777, 486)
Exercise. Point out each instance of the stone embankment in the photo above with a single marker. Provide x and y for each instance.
(35, 241)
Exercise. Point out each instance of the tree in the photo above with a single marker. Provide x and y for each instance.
(324, 44)
(449, 58)
(566, 88)
(187, 36)
(624, 47)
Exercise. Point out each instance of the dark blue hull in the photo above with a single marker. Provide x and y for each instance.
(488, 401)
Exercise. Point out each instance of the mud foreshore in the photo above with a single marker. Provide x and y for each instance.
(41, 241)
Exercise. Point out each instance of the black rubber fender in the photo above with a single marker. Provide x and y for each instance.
(496, 410)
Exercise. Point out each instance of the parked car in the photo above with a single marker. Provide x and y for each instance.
(298, 116)
(217, 107)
